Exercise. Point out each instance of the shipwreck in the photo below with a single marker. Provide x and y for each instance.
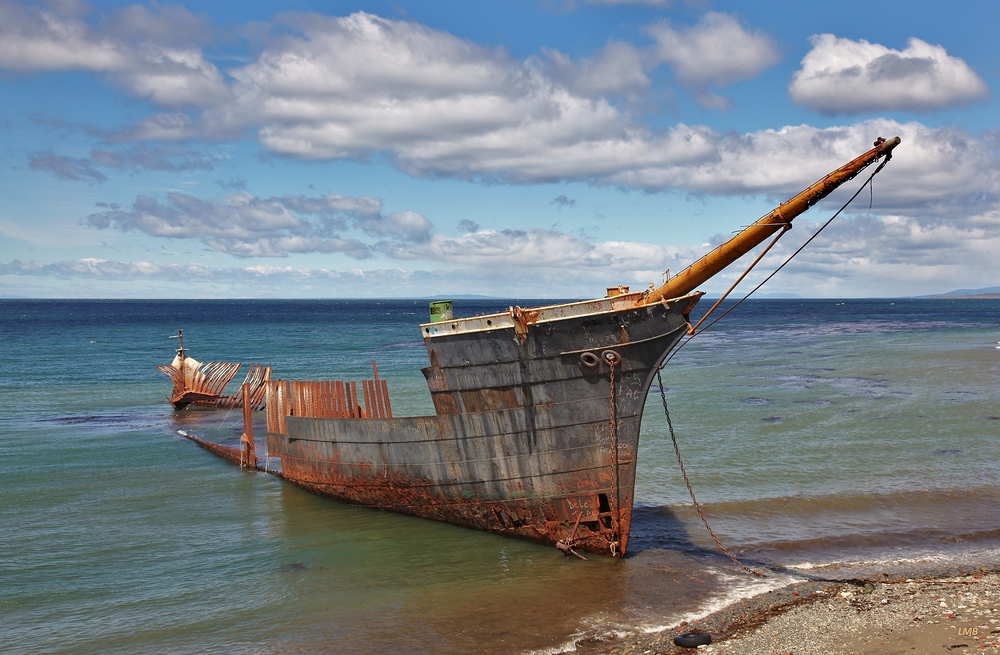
(537, 410)
(197, 383)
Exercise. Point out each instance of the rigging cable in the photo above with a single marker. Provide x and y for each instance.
(783, 264)
(659, 380)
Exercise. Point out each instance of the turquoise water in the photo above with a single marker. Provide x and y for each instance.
(824, 438)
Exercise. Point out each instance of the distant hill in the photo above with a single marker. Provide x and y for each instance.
(986, 292)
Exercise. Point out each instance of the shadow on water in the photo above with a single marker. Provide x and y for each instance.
(661, 540)
(658, 529)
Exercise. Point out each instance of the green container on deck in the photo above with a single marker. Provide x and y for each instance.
(441, 311)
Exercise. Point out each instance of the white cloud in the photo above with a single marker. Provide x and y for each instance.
(37, 40)
(134, 158)
(935, 170)
(541, 252)
(618, 69)
(363, 206)
(362, 86)
(142, 156)
(505, 248)
(895, 255)
(718, 50)
(535, 263)
(65, 168)
(405, 226)
(711, 100)
(246, 226)
(163, 127)
(282, 246)
(165, 24)
(104, 269)
(843, 76)
(353, 86)
(160, 63)
(939, 176)
(858, 257)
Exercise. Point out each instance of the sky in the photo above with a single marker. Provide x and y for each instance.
(525, 149)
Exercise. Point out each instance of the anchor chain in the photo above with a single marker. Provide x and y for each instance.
(566, 546)
(613, 359)
(677, 450)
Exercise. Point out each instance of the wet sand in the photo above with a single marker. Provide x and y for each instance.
(946, 614)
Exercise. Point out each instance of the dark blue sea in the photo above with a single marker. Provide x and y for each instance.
(825, 438)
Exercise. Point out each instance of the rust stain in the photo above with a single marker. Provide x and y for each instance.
(522, 318)
(543, 521)
(237, 456)
(325, 399)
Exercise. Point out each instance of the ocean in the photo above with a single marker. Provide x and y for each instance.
(824, 439)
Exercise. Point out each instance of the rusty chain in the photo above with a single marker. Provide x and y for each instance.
(612, 358)
(677, 450)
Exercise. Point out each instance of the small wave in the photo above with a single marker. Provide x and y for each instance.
(605, 627)
(597, 629)
(568, 646)
(930, 558)
(741, 589)
(916, 562)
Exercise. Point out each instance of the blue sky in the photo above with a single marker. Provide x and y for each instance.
(522, 149)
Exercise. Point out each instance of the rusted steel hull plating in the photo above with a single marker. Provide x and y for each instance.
(528, 441)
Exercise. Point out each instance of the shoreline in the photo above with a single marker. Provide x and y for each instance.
(952, 612)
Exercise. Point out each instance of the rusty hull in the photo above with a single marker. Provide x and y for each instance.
(238, 456)
(528, 439)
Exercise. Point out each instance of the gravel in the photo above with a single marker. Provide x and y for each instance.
(946, 614)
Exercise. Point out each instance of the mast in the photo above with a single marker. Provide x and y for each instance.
(779, 218)
(181, 356)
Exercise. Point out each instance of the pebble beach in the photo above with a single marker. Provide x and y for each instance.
(945, 614)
